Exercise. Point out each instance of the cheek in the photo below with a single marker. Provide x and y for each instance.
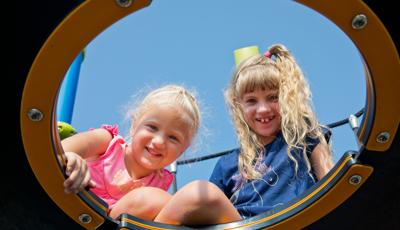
(139, 136)
(275, 106)
(276, 110)
(248, 113)
(179, 150)
(177, 155)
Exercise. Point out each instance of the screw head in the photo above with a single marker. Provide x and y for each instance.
(85, 218)
(35, 115)
(355, 180)
(359, 21)
(124, 3)
(383, 137)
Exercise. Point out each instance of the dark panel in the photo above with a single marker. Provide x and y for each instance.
(389, 15)
(24, 204)
(376, 205)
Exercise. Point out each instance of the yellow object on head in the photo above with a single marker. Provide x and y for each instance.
(244, 53)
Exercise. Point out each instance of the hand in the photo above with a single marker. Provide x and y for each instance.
(78, 174)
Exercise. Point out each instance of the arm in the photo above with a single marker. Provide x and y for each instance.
(89, 145)
(321, 160)
(78, 148)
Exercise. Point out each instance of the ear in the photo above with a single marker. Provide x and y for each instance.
(133, 127)
(238, 103)
(234, 101)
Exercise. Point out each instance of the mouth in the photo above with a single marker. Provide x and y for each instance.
(153, 153)
(264, 120)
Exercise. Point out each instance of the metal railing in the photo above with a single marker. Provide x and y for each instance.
(352, 120)
(214, 155)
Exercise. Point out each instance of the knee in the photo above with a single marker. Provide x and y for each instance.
(203, 193)
(150, 198)
(144, 202)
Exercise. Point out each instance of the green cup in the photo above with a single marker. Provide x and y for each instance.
(244, 53)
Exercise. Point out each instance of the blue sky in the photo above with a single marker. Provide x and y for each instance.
(192, 43)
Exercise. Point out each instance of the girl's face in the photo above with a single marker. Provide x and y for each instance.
(159, 137)
(261, 112)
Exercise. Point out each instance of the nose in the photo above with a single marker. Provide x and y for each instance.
(263, 107)
(158, 141)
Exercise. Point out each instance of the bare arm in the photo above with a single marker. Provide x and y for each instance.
(321, 160)
(79, 148)
(89, 145)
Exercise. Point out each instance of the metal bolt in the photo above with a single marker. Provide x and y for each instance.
(359, 21)
(355, 180)
(124, 3)
(35, 115)
(85, 218)
(383, 137)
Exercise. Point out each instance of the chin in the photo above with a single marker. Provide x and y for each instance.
(149, 165)
(267, 134)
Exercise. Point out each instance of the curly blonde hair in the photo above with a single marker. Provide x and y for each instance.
(298, 121)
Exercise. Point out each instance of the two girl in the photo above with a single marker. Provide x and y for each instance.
(282, 150)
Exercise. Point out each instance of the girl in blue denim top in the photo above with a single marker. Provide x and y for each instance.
(282, 150)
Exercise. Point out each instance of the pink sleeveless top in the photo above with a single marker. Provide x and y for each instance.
(111, 176)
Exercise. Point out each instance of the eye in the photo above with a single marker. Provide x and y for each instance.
(273, 98)
(250, 101)
(151, 127)
(174, 138)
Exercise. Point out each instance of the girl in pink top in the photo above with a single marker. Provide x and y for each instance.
(131, 177)
(111, 176)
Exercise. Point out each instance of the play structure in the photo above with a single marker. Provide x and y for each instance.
(361, 192)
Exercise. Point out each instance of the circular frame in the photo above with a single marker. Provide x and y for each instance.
(59, 51)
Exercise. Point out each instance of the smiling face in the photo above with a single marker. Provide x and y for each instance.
(159, 137)
(261, 112)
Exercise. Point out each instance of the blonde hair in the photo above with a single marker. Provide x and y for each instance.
(175, 96)
(298, 120)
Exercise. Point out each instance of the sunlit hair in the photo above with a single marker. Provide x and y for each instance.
(178, 98)
(280, 72)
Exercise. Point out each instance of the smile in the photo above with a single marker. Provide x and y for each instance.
(263, 120)
(152, 152)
